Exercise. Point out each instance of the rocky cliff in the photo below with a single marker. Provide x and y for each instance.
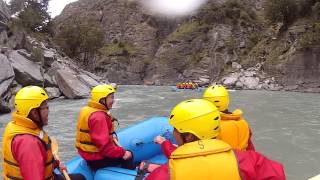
(27, 61)
(222, 42)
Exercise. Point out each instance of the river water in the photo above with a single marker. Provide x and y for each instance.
(285, 125)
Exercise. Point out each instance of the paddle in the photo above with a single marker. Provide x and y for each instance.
(55, 148)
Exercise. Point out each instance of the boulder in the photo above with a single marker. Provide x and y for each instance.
(3, 37)
(231, 79)
(251, 82)
(239, 85)
(6, 74)
(53, 92)
(49, 81)
(204, 80)
(26, 71)
(90, 82)
(49, 57)
(4, 108)
(236, 65)
(249, 73)
(70, 85)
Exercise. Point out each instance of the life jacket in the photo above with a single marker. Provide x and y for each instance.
(204, 159)
(19, 126)
(234, 130)
(83, 139)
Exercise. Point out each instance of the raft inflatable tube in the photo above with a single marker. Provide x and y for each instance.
(138, 139)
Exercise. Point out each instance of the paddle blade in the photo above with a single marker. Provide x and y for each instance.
(54, 146)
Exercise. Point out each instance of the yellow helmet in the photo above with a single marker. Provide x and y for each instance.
(196, 116)
(101, 91)
(218, 95)
(28, 98)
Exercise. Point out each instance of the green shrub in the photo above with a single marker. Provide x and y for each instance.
(284, 11)
(81, 38)
(230, 12)
(33, 15)
(186, 29)
(117, 49)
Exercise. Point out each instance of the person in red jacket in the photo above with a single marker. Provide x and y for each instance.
(95, 139)
(200, 155)
(26, 147)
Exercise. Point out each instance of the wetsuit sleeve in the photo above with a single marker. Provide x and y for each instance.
(99, 124)
(161, 173)
(255, 166)
(250, 144)
(31, 155)
(167, 148)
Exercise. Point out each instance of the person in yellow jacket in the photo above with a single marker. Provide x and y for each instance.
(26, 147)
(95, 139)
(235, 129)
(200, 155)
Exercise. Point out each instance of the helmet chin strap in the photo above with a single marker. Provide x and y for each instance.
(40, 122)
(104, 102)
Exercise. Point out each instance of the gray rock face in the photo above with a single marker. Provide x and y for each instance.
(49, 57)
(4, 12)
(251, 82)
(70, 85)
(90, 82)
(4, 108)
(231, 79)
(26, 71)
(49, 81)
(6, 74)
(53, 92)
(302, 67)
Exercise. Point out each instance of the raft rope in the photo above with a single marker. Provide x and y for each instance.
(123, 173)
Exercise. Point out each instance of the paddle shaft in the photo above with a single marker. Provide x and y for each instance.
(64, 172)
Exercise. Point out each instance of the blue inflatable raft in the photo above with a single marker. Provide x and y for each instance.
(138, 139)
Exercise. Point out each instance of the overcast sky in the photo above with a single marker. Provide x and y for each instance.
(56, 6)
(165, 7)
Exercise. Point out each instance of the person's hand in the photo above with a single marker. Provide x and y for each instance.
(159, 139)
(127, 155)
(62, 167)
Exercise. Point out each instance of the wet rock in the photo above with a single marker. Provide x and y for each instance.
(291, 88)
(236, 65)
(312, 90)
(26, 71)
(231, 79)
(251, 82)
(239, 85)
(49, 81)
(53, 92)
(4, 108)
(49, 57)
(249, 73)
(90, 82)
(70, 85)
(6, 74)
